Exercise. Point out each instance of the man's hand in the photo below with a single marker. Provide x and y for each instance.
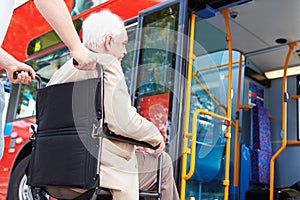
(160, 148)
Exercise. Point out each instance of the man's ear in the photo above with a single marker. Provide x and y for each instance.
(107, 42)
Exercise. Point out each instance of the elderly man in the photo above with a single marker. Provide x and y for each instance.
(123, 170)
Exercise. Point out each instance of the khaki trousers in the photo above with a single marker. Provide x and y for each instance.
(147, 165)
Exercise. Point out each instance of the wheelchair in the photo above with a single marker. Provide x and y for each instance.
(66, 146)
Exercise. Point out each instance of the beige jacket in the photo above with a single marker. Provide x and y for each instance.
(119, 165)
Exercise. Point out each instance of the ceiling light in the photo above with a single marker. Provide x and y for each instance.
(279, 73)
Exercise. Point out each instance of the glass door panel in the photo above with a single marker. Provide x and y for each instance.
(156, 62)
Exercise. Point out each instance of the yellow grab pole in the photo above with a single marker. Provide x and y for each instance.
(215, 67)
(228, 133)
(295, 97)
(284, 105)
(214, 115)
(187, 109)
(245, 107)
(290, 143)
(236, 137)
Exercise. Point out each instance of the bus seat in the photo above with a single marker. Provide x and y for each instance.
(261, 129)
(66, 147)
(261, 151)
(208, 167)
(260, 166)
(209, 153)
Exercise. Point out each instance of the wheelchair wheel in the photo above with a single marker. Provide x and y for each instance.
(17, 188)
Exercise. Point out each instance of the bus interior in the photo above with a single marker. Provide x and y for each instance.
(220, 79)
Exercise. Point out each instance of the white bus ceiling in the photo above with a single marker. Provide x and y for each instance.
(255, 27)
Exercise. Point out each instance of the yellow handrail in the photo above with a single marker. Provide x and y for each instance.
(284, 105)
(194, 136)
(293, 142)
(245, 107)
(187, 109)
(236, 137)
(209, 94)
(215, 67)
(213, 97)
(295, 97)
(225, 13)
(214, 115)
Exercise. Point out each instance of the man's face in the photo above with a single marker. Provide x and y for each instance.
(118, 45)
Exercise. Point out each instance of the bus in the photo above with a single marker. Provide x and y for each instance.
(219, 78)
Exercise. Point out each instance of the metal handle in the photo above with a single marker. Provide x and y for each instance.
(16, 73)
(75, 62)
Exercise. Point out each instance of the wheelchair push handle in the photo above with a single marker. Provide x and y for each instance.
(37, 77)
(75, 62)
(16, 73)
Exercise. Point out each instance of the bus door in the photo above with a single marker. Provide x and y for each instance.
(203, 167)
(157, 72)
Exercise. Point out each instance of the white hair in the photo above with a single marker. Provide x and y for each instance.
(99, 25)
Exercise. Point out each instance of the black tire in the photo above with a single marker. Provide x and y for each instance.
(17, 182)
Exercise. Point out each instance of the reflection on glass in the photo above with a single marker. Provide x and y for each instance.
(156, 67)
(158, 51)
(27, 99)
(128, 61)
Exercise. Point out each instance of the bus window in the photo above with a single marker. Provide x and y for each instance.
(155, 76)
(128, 61)
(7, 86)
(82, 5)
(48, 40)
(157, 52)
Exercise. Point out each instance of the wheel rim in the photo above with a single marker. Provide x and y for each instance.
(24, 191)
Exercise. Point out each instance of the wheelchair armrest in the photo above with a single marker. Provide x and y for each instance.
(112, 136)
